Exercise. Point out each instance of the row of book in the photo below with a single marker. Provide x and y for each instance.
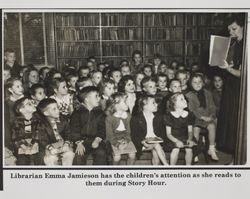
(122, 34)
(164, 34)
(205, 19)
(75, 34)
(201, 33)
(163, 19)
(77, 19)
(78, 50)
(165, 49)
(120, 49)
(121, 19)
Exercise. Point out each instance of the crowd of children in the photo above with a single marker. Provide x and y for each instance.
(60, 117)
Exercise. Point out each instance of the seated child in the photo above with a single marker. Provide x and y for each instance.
(37, 93)
(96, 77)
(71, 80)
(30, 77)
(43, 72)
(118, 129)
(201, 103)
(107, 89)
(25, 146)
(127, 86)
(182, 76)
(83, 71)
(116, 76)
(163, 68)
(62, 97)
(10, 60)
(156, 63)
(170, 73)
(101, 67)
(52, 135)
(217, 91)
(87, 128)
(147, 70)
(162, 85)
(6, 73)
(146, 126)
(138, 78)
(179, 126)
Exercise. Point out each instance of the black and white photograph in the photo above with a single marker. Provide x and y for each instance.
(124, 88)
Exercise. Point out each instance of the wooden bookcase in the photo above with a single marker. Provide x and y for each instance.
(114, 36)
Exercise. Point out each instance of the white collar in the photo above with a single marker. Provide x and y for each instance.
(184, 114)
(123, 115)
(105, 97)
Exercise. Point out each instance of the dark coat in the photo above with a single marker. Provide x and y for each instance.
(139, 130)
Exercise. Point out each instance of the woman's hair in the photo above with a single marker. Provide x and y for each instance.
(238, 18)
(104, 84)
(114, 100)
(27, 73)
(124, 80)
(172, 101)
(143, 101)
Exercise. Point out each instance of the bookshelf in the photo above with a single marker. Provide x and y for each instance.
(114, 36)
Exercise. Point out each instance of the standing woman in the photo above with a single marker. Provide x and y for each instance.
(228, 116)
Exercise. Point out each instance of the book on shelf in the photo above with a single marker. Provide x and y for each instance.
(218, 50)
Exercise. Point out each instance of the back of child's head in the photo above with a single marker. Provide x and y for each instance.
(34, 88)
(115, 99)
(84, 92)
(105, 83)
(124, 80)
(18, 105)
(43, 104)
(143, 101)
(83, 82)
(171, 103)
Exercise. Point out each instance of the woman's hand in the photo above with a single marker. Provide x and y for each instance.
(227, 65)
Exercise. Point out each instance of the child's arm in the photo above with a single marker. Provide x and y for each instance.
(193, 106)
(190, 141)
(177, 142)
(109, 130)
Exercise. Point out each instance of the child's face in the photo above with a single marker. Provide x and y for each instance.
(91, 65)
(162, 82)
(157, 61)
(109, 90)
(150, 88)
(101, 67)
(170, 74)
(138, 79)
(147, 71)
(10, 57)
(122, 105)
(6, 75)
(52, 111)
(125, 70)
(195, 68)
(39, 94)
(218, 82)
(28, 107)
(17, 88)
(175, 87)
(62, 88)
(174, 65)
(197, 83)
(33, 77)
(72, 82)
(97, 78)
(137, 59)
(151, 105)
(84, 73)
(116, 76)
(93, 99)
(183, 79)
(163, 68)
(130, 87)
(181, 102)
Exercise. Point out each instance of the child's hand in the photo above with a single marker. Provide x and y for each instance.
(179, 144)
(122, 145)
(190, 143)
(96, 142)
(80, 149)
(24, 147)
(53, 151)
(206, 119)
(65, 147)
(146, 145)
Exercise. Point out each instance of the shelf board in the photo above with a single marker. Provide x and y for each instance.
(77, 26)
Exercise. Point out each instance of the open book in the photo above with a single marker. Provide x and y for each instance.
(219, 47)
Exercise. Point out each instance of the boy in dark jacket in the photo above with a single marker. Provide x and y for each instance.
(51, 134)
(87, 128)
